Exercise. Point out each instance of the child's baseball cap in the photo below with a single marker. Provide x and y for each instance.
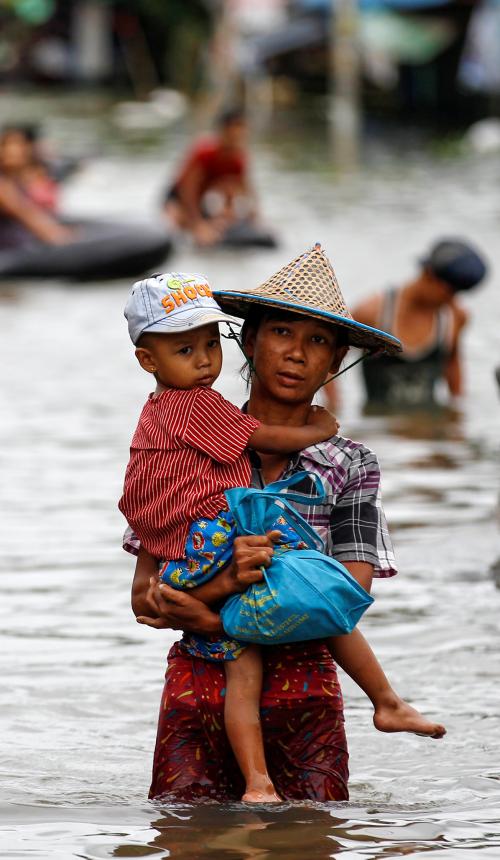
(170, 303)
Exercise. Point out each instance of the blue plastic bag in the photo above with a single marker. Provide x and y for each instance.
(304, 594)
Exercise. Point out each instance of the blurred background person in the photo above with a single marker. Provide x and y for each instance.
(212, 190)
(426, 316)
(21, 159)
(28, 193)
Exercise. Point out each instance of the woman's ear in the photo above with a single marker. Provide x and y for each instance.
(340, 354)
(146, 359)
(249, 342)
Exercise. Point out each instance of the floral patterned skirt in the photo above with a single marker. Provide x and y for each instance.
(302, 720)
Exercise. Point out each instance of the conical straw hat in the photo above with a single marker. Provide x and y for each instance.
(308, 286)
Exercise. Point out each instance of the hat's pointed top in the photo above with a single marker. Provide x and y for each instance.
(310, 280)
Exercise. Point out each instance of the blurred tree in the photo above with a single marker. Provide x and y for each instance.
(177, 32)
(32, 11)
(164, 41)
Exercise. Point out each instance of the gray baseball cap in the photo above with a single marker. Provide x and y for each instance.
(171, 303)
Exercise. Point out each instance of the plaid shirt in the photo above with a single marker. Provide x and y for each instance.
(351, 521)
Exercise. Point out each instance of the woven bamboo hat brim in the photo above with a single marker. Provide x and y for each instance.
(308, 286)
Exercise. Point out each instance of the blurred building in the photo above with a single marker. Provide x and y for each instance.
(434, 58)
(411, 54)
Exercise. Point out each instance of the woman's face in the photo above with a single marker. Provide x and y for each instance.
(16, 151)
(292, 357)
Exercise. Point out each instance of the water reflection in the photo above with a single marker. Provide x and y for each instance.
(445, 424)
(298, 832)
(237, 833)
(233, 832)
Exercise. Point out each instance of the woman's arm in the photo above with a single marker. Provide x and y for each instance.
(167, 609)
(362, 572)
(189, 193)
(40, 223)
(453, 375)
(145, 569)
(453, 370)
(250, 554)
(158, 605)
(177, 610)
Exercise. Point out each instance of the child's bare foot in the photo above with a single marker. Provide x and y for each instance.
(396, 715)
(263, 792)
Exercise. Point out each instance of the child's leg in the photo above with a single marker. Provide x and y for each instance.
(243, 728)
(392, 714)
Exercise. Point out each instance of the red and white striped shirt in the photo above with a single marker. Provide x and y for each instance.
(188, 448)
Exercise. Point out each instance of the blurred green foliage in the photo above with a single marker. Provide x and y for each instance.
(32, 11)
(177, 32)
(167, 11)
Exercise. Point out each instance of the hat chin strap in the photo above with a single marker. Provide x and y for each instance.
(370, 352)
(367, 354)
(234, 336)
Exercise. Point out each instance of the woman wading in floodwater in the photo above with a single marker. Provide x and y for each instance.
(297, 330)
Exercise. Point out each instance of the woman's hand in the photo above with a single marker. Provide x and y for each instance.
(177, 610)
(158, 605)
(59, 234)
(42, 224)
(250, 554)
(206, 233)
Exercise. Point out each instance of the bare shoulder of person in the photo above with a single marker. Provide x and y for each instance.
(368, 310)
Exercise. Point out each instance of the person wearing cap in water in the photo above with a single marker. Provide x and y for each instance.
(426, 316)
(185, 432)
